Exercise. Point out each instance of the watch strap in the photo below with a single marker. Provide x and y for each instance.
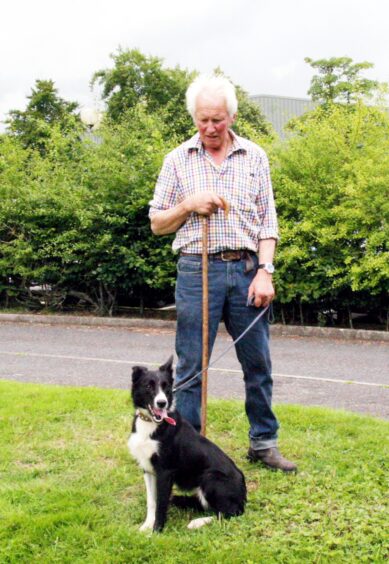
(268, 266)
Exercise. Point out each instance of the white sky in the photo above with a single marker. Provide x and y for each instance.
(260, 44)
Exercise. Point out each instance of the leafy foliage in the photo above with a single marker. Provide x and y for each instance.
(44, 109)
(81, 224)
(333, 200)
(74, 213)
(340, 80)
(137, 78)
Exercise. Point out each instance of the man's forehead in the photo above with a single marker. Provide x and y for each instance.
(206, 105)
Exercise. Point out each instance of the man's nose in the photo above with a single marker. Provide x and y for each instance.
(210, 127)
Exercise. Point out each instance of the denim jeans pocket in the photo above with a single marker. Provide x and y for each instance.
(188, 266)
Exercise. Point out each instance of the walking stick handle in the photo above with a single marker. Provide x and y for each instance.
(226, 206)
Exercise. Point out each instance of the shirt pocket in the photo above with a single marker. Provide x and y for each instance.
(254, 184)
(245, 191)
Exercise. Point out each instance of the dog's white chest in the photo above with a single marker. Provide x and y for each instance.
(141, 446)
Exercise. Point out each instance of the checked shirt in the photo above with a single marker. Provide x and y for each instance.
(243, 179)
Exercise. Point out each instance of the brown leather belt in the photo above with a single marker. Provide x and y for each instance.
(226, 256)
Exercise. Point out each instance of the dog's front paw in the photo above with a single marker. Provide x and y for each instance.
(200, 522)
(147, 526)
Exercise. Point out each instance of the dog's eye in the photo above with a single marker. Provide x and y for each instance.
(164, 386)
(151, 385)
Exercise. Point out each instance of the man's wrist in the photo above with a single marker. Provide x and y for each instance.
(185, 206)
(265, 276)
(267, 267)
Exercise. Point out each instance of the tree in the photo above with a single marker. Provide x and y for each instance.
(332, 196)
(76, 218)
(44, 109)
(340, 80)
(136, 78)
(74, 214)
(116, 253)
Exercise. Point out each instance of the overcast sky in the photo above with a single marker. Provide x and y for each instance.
(260, 44)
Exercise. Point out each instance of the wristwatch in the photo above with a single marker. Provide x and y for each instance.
(268, 266)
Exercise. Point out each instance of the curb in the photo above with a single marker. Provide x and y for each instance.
(329, 333)
(277, 330)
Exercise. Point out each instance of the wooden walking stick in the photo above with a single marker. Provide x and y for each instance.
(205, 360)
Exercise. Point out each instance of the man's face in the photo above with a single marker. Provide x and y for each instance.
(212, 121)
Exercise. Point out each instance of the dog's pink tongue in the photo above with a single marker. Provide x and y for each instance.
(162, 413)
(169, 420)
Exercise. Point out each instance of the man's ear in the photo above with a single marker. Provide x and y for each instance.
(168, 366)
(137, 372)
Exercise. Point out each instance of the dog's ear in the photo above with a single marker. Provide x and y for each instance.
(137, 372)
(168, 366)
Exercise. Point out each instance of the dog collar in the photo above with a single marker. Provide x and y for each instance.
(144, 417)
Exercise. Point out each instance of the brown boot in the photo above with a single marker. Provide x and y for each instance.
(271, 458)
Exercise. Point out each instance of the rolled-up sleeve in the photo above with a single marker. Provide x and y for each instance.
(165, 193)
(269, 227)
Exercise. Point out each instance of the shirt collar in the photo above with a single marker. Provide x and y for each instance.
(194, 143)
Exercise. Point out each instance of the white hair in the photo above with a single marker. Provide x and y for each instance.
(214, 86)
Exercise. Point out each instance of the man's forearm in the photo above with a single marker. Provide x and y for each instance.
(266, 251)
(168, 221)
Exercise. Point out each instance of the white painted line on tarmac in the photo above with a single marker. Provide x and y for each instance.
(320, 379)
(228, 370)
(69, 357)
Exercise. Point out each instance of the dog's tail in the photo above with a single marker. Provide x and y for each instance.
(187, 502)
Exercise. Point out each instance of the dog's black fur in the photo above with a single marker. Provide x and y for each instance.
(180, 454)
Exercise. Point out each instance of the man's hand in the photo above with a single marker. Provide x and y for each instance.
(262, 289)
(204, 203)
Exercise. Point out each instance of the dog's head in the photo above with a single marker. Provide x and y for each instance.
(152, 390)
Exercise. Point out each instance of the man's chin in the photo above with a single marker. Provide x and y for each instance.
(211, 143)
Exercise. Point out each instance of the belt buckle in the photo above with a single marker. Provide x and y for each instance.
(228, 256)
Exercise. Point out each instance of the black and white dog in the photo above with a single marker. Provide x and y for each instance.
(170, 451)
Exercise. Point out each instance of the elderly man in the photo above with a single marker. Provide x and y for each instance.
(196, 179)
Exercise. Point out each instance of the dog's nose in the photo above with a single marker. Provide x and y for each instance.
(161, 403)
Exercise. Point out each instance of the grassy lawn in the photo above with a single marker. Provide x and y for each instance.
(69, 491)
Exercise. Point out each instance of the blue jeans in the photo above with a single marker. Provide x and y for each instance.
(228, 289)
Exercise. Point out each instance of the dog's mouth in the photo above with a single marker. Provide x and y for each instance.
(158, 415)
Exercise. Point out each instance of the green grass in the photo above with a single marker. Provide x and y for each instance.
(69, 491)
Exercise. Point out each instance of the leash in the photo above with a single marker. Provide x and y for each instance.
(189, 379)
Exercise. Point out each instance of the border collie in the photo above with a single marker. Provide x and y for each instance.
(170, 451)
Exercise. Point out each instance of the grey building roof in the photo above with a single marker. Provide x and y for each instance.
(280, 109)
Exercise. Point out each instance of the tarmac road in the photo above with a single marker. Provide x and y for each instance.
(351, 375)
